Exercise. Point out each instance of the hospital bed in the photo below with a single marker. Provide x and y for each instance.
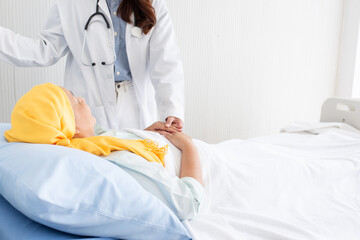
(303, 183)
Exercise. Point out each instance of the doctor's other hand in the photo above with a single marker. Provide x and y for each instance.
(160, 127)
(174, 121)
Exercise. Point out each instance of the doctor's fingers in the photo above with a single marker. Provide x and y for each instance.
(160, 126)
(162, 132)
(178, 126)
(169, 121)
(174, 121)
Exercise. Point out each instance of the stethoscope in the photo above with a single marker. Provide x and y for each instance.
(135, 32)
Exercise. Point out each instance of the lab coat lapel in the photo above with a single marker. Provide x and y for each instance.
(138, 72)
(103, 5)
(129, 47)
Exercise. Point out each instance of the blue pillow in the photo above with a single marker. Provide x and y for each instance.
(15, 226)
(76, 192)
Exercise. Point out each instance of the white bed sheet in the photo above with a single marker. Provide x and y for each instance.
(285, 186)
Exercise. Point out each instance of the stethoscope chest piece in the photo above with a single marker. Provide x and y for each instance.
(136, 32)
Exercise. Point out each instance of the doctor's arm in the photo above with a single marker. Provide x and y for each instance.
(46, 50)
(166, 70)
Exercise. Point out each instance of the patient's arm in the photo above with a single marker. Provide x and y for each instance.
(190, 161)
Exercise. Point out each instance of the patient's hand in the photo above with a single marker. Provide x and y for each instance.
(180, 140)
(160, 127)
(190, 160)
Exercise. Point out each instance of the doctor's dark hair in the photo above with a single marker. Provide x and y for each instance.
(144, 13)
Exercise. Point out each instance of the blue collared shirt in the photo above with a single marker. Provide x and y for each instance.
(122, 69)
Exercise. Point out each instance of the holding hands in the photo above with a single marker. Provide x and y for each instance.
(174, 121)
(172, 132)
(160, 127)
(172, 125)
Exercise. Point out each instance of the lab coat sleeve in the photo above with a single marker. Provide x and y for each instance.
(46, 50)
(166, 70)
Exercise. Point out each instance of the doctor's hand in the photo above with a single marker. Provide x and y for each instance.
(174, 122)
(160, 127)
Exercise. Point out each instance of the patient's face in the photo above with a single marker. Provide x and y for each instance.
(84, 120)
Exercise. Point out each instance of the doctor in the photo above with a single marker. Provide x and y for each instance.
(122, 57)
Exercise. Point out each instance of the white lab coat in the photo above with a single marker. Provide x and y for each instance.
(153, 59)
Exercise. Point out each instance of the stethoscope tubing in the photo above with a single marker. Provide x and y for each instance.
(135, 31)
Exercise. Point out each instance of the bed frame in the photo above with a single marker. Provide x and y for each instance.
(345, 110)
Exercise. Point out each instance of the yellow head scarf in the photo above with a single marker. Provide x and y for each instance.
(44, 115)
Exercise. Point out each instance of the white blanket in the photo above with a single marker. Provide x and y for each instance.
(285, 186)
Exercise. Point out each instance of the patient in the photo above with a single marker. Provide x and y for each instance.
(51, 114)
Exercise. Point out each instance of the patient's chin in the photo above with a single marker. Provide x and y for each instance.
(81, 134)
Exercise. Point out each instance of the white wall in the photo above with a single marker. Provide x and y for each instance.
(348, 80)
(251, 66)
